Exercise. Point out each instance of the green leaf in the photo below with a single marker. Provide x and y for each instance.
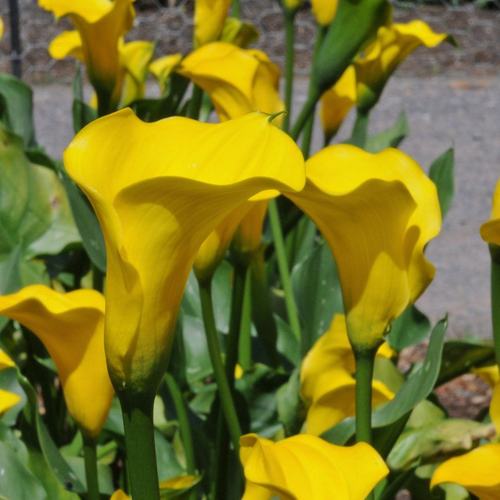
(410, 328)
(414, 390)
(17, 110)
(77, 464)
(390, 138)
(291, 408)
(16, 480)
(168, 462)
(317, 294)
(179, 494)
(442, 173)
(198, 365)
(83, 114)
(9, 382)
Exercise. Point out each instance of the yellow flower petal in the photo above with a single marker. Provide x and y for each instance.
(239, 33)
(495, 407)
(331, 352)
(163, 67)
(306, 467)
(337, 102)
(71, 326)
(178, 483)
(67, 44)
(157, 201)
(392, 46)
(490, 231)
(120, 495)
(7, 401)
(5, 361)
(101, 24)
(377, 212)
(334, 400)
(292, 4)
(324, 10)
(477, 471)
(489, 374)
(209, 19)
(1, 28)
(238, 81)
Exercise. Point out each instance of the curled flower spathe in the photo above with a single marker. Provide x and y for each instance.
(7, 399)
(157, 201)
(304, 467)
(324, 11)
(71, 326)
(490, 231)
(377, 212)
(209, 19)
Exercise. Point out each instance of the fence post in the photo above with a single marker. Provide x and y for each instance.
(15, 38)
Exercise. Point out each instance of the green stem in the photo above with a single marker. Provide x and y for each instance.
(91, 475)
(279, 244)
(245, 350)
(360, 129)
(307, 110)
(236, 9)
(226, 398)
(195, 104)
(495, 297)
(182, 417)
(289, 65)
(140, 445)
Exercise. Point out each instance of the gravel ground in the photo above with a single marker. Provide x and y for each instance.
(442, 111)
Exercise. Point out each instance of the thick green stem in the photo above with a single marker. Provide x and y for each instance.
(360, 129)
(307, 110)
(279, 244)
(236, 9)
(184, 427)
(140, 445)
(495, 297)
(365, 361)
(289, 65)
(91, 475)
(245, 350)
(195, 104)
(226, 399)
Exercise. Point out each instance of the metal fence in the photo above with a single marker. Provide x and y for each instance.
(475, 26)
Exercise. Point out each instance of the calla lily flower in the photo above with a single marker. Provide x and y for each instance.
(392, 46)
(239, 33)
(490, 231)
(306, 467)
(292, 5)
(334, 400)
(5, 361)
(1, 28)
(177, 483)
(163, 67)
(7, 401)
(248, 235)
(71, 326)
(477, 471)
(238, 81)
(490, 374)
(377, 212)
(331, 352)
(101, 24)
(157, 202)
(209, 19)
(337, 102)
(324, 11)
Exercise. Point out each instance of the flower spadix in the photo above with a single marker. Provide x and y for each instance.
(157, 200)
(305, 467)
(377, 212)
(100, 23)
(238, 81)
(71, 326)
(392, 46)
(209, 19)
(477, 471)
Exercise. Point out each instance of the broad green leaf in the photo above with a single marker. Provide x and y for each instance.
(77, 464)
(317, 292)
(291, 408)
(390, 138)
(198, 365)
(9, 438)
(442, 173)
(18, 112)
(288, 345)
(169, 465)
(414, 390)
(16, 480)
(83, 114)
(410, 328)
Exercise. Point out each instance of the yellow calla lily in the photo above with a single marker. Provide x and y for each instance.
(490, 374)
(71, 326)
(239, 33)
(392, 46)
(1, 28)
(477, 471)
(331, 352)
(238, 81)
(177, 483)
(334, 400)
(490, 231)
(209, 19)
(120, 495)
(101, 24)
(495, 408)
(7, 401)
(292, 5)
(157, 202)
(5, 361)
(248, 235)
(337, 102)
(306, 467)
(377, 212)
(163, 67)
(324, 11)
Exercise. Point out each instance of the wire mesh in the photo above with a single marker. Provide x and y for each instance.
(475, 26)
